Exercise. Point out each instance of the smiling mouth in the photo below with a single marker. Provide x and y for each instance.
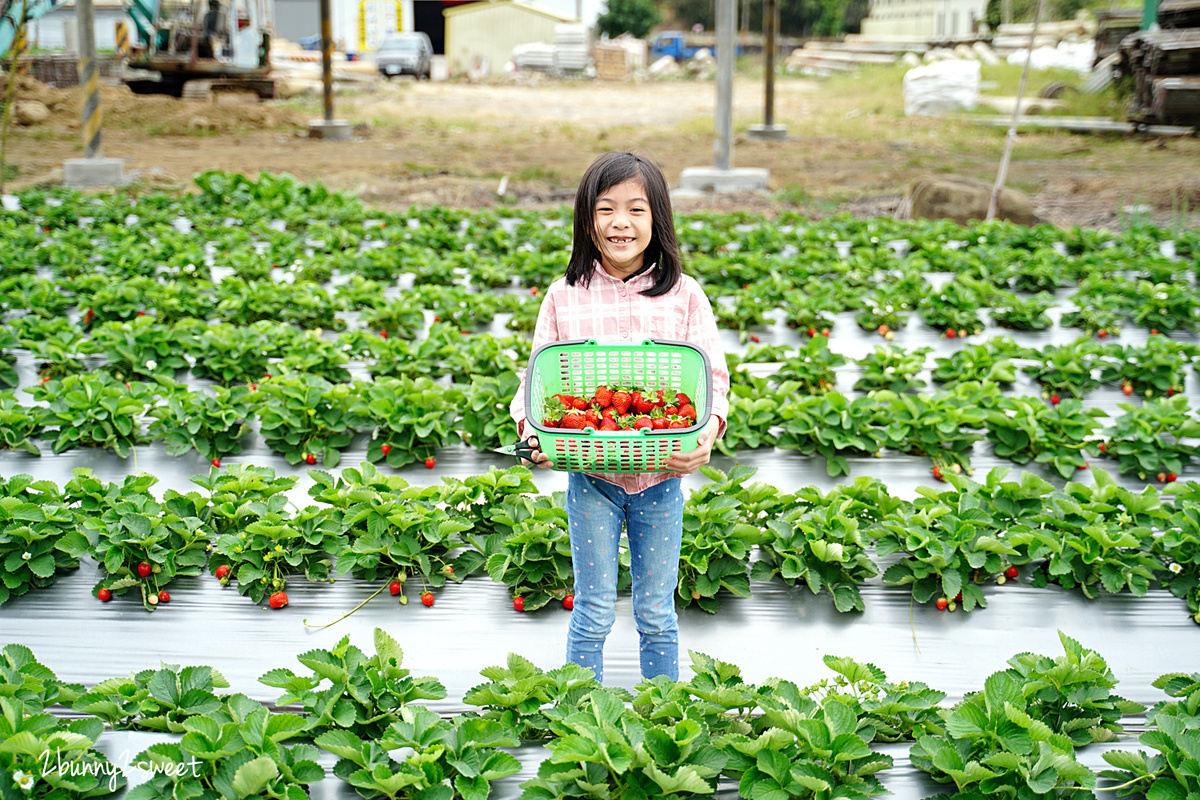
(620, 240)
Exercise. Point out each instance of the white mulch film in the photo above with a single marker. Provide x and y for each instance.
(776, 632)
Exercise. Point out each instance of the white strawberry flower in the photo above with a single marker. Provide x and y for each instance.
(152, 365)
(1175, 568)
(23, 780)
(26, 556)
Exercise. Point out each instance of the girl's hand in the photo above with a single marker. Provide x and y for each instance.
(687, 463)
(537, 457)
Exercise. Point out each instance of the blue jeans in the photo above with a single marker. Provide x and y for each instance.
(653, 520)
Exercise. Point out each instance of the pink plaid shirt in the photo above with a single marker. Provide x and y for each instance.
(612, 310)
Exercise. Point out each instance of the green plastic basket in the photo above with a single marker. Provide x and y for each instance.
(577, 367)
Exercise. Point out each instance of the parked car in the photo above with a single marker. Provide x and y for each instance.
(405, 54)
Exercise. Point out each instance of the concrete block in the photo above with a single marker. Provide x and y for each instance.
(335, 130)
(83, 172)
(777, 132)
(711, 179)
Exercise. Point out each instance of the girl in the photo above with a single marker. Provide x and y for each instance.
(624, 282)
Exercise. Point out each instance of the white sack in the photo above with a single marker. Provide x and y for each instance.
(941, 86)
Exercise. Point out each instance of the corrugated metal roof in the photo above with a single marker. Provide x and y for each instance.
(517, 4)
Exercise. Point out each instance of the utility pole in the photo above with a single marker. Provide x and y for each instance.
(336, 130)
(94, 169)
(768, 129)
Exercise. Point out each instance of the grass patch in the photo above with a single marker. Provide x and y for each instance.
(539, 173)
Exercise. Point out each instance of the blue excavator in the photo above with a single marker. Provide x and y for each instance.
(225, 43)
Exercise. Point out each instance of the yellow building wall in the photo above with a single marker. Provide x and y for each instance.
(488, 32)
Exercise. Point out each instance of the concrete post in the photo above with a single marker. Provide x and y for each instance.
(726, 30)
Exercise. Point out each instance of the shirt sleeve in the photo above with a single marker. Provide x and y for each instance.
(702, 332)
(544, 332)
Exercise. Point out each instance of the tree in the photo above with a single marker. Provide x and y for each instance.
(635, 17)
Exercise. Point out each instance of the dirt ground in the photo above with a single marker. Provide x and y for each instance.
(457, 143)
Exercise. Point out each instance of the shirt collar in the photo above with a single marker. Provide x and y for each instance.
(644, 277)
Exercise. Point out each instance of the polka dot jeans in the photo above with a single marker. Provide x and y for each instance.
(653, 520)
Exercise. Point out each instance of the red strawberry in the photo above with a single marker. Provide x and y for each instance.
(754, 338)
(593, 417)
(1103, 447)
(580, 404)
(430, 462)
(1171, 477)
(942, 603)
(958, 597)
(682, 400)
(1011, 572)
(825, 333)
(105, 595)
(608, 413)
(254, 387)
(395, 588)
(519, 603)
(144, 569)
(812, 332)
(385, 448)
(688, 410)
(621, 401)
(383, 334)
(568, 602)
(658, 423)
(216, 462)
(604, 396)
(309, 458)
(671, 410)
(1055, 399)
(679, 423)
(1102, 333)
(937, 472)
(1162, 477)
(222, 571)
(567, 400)
(278, 600)
(573, 420)
(642, 422)
(608, 424)
(164, 596)
(427, 599)
(533, 291)
(1127, 388)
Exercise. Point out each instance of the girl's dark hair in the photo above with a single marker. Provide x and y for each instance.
(606, 172)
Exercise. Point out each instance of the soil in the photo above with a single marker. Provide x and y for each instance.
(459, 143)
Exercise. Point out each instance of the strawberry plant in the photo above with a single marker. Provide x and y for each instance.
(306, 415)
(390, 530)
(58, 353)
(1170, 768)
(142, 543)
(349, 691)
(38, 538)
(1067, 371)
(956, 306)
(458, 307)
(1152, 439)
(891, 368)
(94, 410)
(399, 318)
(716, 696)
(358, 293)
(993, 746)
(20, 425)
(944, 542)
(120, 301)
(8, 373)
(232, 354)
(1166, 307)
(516, 695)
(715, 551)
(894, 712)
(1072, 693)
(309, 354)
(273, 547)
(305, 305)
(242, 493)
(480, 499)
(990, 361)
(832, 426)
(486, 423)
(49, 758)
(808, 746)
(211, 424)
(753, 411)
(1014, 312)
(822, 549)
(1154, 370)
(534, 560)
(415, 417)
(141, 348)
(235, 753)
(941, 427)
(806, 311)
(1023, 430)
(439, 758)
(811, 369)
(1095, 538)
(882, 309)
(604, 744)
(154, 700)
(1178, 547)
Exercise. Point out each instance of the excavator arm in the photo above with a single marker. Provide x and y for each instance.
(11, 12)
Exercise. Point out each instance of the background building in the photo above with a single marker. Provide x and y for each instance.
(924, 19)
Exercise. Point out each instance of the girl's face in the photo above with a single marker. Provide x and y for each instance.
(623, 227)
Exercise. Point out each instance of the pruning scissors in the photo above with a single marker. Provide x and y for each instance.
(522, 449)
